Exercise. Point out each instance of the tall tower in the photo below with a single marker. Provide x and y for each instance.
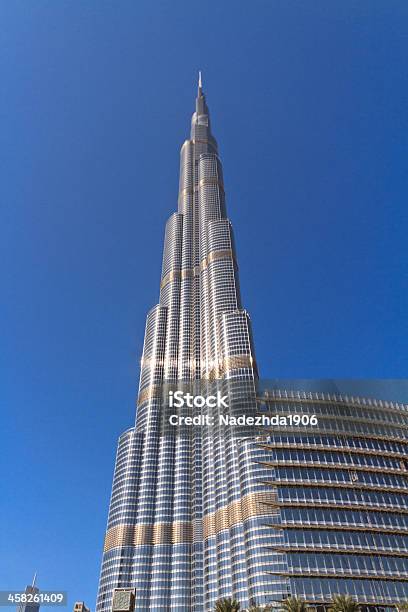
(189, 518)
(305, 511)
(31, 589)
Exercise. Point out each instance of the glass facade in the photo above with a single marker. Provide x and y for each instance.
(194, 518)
(342, 498)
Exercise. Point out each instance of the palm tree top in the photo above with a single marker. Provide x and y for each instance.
(227, 604)
(294, 604)
(344, 603)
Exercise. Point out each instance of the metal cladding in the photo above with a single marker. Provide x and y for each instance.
(342, 497)
(194, 518)
(187, 515)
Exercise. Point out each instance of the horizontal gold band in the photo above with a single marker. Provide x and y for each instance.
(234, 362)
(149, 392)
(187, 273)
(169, 277)
(182, 532)
(211, 181)
(157, 533)
(222, 366)
(235, 512)
(186, 191)
(215, 255)
(190, 272)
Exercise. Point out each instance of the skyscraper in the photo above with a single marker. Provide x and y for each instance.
(187, 515)
(196, 517)
(31, 606)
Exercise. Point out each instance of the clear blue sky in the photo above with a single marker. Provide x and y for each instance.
(309, 104)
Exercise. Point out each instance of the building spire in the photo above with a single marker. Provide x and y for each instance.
(34, 579)
(200, 84)
(201, 107)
